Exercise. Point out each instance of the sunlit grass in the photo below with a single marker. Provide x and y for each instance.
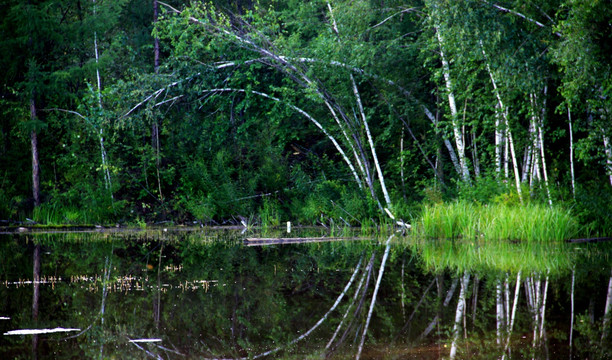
(467, 220)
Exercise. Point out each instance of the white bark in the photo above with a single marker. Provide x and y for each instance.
(449, 146)
(459, 141)
(608, 150)
(376, 287)
(527, 164)
(571, 136)
(504, 113)
(105, 168)
(514, 163)
(499, 141)
(364, 120)
(459, 314)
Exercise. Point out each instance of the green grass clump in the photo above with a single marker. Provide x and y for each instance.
(468, 220)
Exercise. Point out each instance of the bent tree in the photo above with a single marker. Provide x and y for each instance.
(328, 96)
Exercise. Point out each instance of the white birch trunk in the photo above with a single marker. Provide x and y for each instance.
(514, 163)
(608, 150)
(364, 121)
(527, 165)
(541, 136)
(459, 314)
(571, 135)
(499, 141)
(506, 154)
(459, 141)
(504, 112)
(105, 168)
(447, 144)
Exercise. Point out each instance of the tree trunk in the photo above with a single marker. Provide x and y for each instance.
(105, 168)
(155, 40)
(608, 150)
(504, 113)
(571, 136)
(155, 126)
(459, 140)
(35, 164)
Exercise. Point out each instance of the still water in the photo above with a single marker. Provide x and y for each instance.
(208, 294)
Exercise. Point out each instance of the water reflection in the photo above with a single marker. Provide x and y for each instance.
(204, 294)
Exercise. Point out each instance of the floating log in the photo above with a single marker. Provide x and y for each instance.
(278, 241)
(590, 240)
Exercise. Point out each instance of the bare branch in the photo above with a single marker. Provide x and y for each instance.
(498, 7)
(390, 17)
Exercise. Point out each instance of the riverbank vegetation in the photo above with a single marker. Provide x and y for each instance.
(315, 112)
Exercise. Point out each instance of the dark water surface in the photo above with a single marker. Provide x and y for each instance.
(206, 294)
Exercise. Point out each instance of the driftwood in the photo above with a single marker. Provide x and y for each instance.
(589, 240)
(277, 241)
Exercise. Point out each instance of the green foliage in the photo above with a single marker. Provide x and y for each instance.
(593, 208)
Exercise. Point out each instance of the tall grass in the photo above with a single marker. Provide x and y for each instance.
(54, 214)
(467, 220)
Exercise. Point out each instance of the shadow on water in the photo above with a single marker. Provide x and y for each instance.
(206, 294)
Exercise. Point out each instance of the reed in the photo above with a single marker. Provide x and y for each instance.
(468, 220)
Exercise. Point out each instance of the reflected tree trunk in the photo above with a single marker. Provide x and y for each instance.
(499, 306)
(35, 296)
(376, 287)
(157, 300)
(571, 336)
(436, 318)
(607, 311)
(459, 313)
(513, 316)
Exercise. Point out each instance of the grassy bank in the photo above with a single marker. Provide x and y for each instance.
(469, 220)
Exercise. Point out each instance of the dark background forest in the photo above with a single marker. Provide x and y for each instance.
(144, 111)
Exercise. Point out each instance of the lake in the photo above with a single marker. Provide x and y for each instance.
(210, 294)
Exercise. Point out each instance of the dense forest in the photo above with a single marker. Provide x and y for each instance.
(309, 111)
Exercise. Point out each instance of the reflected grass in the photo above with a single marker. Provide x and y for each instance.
(493, 256)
